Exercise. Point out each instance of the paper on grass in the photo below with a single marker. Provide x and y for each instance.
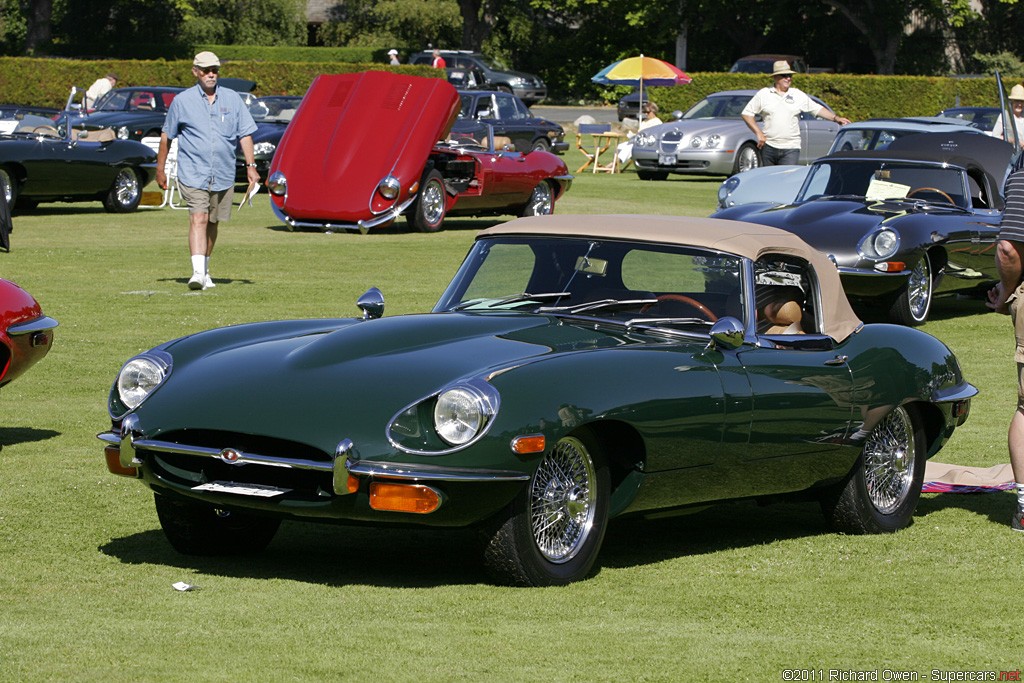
(250, 192)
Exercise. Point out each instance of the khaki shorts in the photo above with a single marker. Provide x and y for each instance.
(1018, 333)
(216, 204)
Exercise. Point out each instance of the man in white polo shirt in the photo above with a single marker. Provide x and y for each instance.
(780, 107)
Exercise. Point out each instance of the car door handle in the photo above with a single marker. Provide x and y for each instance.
(838, 360)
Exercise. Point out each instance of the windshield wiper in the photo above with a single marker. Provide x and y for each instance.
(666, 322)
(514, 299)
(600, 303)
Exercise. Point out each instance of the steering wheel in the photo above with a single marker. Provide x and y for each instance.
(931, 189)
(704, 310)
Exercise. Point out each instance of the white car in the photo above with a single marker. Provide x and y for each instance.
(780, 184)
(712, 139)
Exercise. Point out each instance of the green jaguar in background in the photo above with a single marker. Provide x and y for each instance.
(577, 368)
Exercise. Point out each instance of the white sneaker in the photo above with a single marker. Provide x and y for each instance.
(208, 282)
(196, 281)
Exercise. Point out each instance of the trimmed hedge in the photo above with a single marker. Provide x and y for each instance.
(855, 97)
(46, 82)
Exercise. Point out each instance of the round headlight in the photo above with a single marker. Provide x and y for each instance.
(389, 187)
(277, 184)
(885, 243)
(137, 380)
(714, 140)
(644, 140)
(122, 132)
(696, 141)
(726, 189)
(458, 415)
(264, 148)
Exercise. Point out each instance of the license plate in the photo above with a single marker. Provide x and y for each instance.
(257, 490)
(667, 159)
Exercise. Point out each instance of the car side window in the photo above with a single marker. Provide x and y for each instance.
(506, 106)
(785, 296)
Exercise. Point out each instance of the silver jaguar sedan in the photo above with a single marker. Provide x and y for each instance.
(712, 139)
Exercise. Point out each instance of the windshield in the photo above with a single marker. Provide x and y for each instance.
(878, 180)
(492, 63)
(274, 109)
(725, 106)
(622, 281)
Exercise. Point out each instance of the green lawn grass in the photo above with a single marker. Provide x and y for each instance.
(735, 592)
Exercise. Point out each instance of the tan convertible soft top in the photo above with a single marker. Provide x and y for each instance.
(732, 237)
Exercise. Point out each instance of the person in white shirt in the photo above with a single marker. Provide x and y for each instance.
(780, 107)
(99, 88)
(649, 118)
(393, 54)
(1016, 98)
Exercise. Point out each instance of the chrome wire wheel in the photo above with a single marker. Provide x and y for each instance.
(889, 454)
(542, 202)
(126, 187)
(919, 289)
(563, 501)
(432, 203)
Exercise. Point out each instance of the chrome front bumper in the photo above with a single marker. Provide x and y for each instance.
(344, 463)
(362, 226)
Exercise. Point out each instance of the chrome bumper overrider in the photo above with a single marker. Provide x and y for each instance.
(344, 463)
(362, 226)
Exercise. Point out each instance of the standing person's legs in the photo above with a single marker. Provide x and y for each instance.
(206, 209)
(774, 156)
(1015, 436)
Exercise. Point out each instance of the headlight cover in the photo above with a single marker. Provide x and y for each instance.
(389, 187)
(277, 184)
(454, 418)
(726, 189)
(122, 132)
(137, 380)
(881, 244)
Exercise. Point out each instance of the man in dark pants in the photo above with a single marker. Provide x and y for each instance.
(780, 107)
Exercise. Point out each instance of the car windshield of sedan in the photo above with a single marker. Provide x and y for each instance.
(627, 282)
(876, 180)
(725, 107)
(274, 109)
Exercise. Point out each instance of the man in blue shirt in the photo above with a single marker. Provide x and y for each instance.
(208, 122)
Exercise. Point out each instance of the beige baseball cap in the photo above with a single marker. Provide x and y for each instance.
(205, 59)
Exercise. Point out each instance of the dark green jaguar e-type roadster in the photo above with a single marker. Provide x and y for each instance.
(576, 369)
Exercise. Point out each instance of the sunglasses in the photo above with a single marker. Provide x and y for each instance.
(209, 70)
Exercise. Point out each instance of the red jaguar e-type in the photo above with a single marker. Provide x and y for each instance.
(25, 333)
(364, 148)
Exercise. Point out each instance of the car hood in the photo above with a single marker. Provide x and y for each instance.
(319, 381)
(696, 126)
(836, 226)
(353, 130)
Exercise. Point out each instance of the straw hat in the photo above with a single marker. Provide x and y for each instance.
(781, 68)
(1017, 92)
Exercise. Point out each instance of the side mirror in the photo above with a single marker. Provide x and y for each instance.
(677, 114)
(371, 303)
(727, 333)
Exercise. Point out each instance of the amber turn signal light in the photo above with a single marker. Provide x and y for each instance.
(112, 454)
(524, 445)
(414, 498)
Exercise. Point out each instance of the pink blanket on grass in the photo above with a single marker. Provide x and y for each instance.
(942, 478)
